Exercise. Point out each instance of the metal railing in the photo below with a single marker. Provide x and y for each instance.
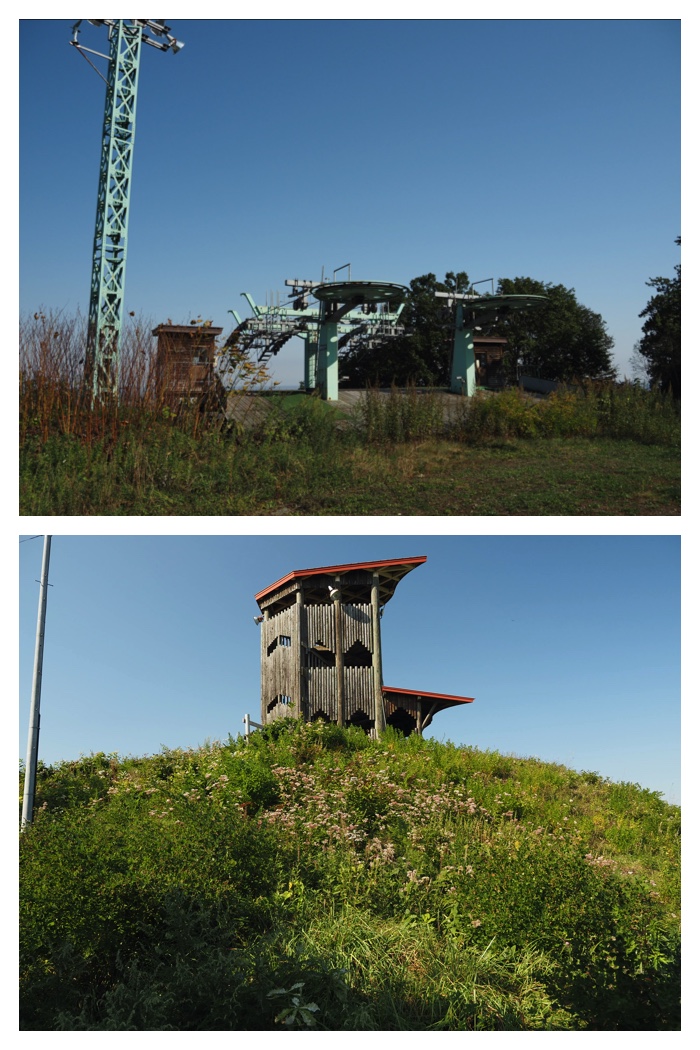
(247, 723)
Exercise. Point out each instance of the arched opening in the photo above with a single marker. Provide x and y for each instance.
(361, 720)
(358, 655)
(319, 655)
(401, 720)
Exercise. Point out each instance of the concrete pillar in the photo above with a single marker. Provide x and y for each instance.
(463, 377)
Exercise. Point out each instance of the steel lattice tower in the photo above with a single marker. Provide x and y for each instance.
(111, 222)
(112, 219)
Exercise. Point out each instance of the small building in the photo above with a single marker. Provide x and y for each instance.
(185, 359)
(321, 653)
(489, 351)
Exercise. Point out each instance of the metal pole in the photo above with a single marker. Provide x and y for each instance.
(34, 716)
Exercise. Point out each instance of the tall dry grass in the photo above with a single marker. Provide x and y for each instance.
(55, 400)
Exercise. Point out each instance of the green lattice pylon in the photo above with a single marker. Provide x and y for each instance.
(109, 247)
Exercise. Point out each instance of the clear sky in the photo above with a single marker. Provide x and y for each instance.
(270, 149)
(569, 644)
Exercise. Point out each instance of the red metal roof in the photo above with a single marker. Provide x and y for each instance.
(428, 696)
(297, 574)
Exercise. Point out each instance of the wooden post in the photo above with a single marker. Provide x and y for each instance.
(338, 609)
(419, 717)
(263, 667)
(379, 717)
(297, 658)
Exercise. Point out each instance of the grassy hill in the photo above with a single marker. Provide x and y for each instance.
(315, 879)
(602, 449)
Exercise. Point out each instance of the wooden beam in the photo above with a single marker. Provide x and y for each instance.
(338, 609)
(379, 714)
(429, 717)
(263, 668)
(297, 654)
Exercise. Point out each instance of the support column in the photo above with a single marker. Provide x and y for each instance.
(297, 652)
(379, 715)
(419, 719)
(463, 377)
(339, 676)
(263, 667)
(328, 347)
(310, 361)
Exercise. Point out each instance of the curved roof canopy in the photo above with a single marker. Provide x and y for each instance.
(353, 578)
(359, 292)
(439, 701)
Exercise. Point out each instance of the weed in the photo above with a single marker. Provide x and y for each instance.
(396, 884)
(599, 449)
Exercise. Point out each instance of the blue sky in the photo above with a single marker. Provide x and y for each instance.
(270, 149)
(569, 644)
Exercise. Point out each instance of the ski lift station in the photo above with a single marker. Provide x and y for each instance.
(327, 315)
(335, 315)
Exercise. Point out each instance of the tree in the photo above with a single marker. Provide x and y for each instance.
(423, 355)
(660, 347)
(561, 339)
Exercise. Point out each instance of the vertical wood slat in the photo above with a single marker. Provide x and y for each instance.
(281, 668)
(359, 691)
(357, 625)
(301, 671)
(321, 625)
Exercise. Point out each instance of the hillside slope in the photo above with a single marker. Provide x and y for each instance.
(315, 878)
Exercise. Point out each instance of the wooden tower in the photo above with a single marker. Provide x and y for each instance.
(321, 652)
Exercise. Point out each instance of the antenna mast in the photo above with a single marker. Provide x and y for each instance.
(111, 223)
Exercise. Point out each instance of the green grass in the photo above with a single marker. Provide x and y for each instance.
(313, 878)
(602, 449)
(169, 472)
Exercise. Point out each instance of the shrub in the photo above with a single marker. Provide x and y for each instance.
(396, 884)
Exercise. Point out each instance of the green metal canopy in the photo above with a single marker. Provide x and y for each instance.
(490, 305)
(359, 292)
(502, 304)
(472, 312)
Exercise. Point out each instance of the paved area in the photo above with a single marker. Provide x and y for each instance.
(252, 409)
(348, 399)
(247, 409)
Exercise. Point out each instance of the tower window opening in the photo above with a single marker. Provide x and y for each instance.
(358, 655)
(281, 700)
(401, 720)
(361, 720)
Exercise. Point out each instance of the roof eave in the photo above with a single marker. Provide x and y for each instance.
(330, 570)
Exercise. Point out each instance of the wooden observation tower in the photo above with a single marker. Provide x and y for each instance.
(321, 653)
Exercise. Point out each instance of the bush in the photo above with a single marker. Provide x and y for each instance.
(393, 884)
(405, 415)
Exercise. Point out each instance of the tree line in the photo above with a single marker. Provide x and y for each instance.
(560, 340)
